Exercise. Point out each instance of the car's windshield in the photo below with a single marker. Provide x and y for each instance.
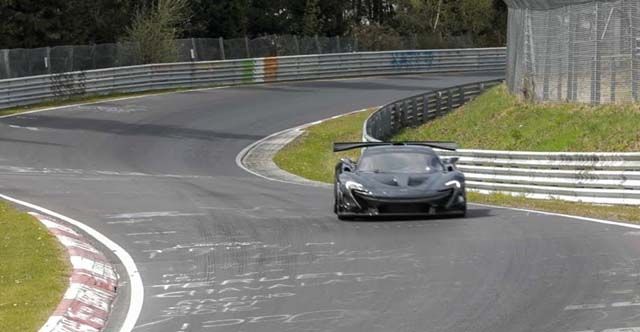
(400, 162)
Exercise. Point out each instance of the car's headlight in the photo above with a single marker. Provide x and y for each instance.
(453, 183)
(352, 185)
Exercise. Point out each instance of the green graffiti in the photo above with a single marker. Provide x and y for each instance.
(248, 67)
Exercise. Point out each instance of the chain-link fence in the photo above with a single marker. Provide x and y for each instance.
(60, 59)
(583, 51)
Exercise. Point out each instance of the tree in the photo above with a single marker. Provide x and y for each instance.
(311, 21)
(152, 34)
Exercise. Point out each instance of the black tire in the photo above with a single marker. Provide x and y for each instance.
(345, 218)
(336, 200)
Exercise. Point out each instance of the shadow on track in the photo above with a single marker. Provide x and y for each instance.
(128, 129)
(471, 214)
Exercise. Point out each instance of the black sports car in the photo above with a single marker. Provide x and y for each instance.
(398, 179)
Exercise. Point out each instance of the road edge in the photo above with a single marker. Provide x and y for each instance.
(276, 139)
(136, 286)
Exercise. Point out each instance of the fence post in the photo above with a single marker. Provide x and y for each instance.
(338, 44)
(70, 58)
(297, 43)
(194, 50)
(246, 47)
(318, 44)
(425, 108)
(221, 45)
(355, 44)
(7, 66)
(47, 60)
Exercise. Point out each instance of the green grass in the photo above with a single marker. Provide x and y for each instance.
(481, 124)
(498, 120)
(311, 155)
(33, 271)
(629, 214)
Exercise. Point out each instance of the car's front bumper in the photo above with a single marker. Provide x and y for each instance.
(437, 203)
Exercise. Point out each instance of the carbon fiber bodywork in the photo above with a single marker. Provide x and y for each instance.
(360, 193)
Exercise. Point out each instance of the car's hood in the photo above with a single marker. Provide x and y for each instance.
(400, 185)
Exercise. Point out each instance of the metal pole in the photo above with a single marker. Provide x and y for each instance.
(47, 60)
(547, 60)
(571, 66)
(7, 66)
(338, 43)
(297, 44)
(595, 75)
(221, 45)
(246, 47)
(634, 51)
(318, 47)
(194, 50)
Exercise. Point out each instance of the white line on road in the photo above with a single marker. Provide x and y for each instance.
(137, 289)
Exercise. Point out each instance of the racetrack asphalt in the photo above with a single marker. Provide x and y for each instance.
(220, 249)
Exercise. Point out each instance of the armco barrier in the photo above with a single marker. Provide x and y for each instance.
(607, 178)
(36, 89)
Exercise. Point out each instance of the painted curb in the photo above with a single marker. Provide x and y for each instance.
(87, 302)
(136, 286)
(257, 158)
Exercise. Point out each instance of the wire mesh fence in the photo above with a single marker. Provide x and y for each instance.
(60, 59)
(585, 52)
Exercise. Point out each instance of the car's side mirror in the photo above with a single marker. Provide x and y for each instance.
(450, 163)
(347, 165)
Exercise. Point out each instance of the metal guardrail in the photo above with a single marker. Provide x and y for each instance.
(593, 177)
(36, 89)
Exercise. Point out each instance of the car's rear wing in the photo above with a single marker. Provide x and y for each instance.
(345, 146)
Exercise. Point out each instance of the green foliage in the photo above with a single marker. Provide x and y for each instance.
(311, 156)
(310, 21)
(153, 31)
(437, 23)
(499, 121)
(33, 271)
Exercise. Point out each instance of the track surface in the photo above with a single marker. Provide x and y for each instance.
(222, 250)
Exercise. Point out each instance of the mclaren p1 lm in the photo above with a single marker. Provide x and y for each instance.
(398, 179)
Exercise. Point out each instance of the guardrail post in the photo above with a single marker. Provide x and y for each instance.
(221, 45)
(297, 43)
(438, 103)
(462, 97)
(246, 46)
(449, 100)
(7, 66)
(425, 108)
(318, 47)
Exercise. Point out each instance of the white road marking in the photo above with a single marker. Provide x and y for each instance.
(244, 151)
(153, 323)
(137, 288)
(138, 215)
(151, 233)
(21, 127)
(585, 306)
(129, 221)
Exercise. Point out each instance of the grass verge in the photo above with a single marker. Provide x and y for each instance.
(311, 156)
(497, 120)
(33, 271)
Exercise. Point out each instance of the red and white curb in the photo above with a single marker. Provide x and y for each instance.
(86, 304)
